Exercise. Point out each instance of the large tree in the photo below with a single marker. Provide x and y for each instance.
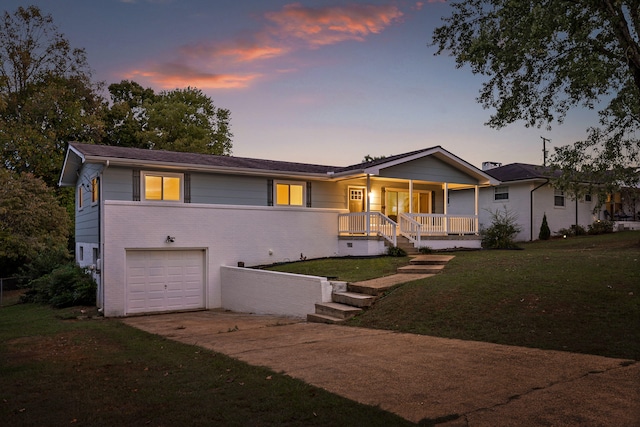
(46, 94)
(31, 221)
(178, 120)
(543, 58)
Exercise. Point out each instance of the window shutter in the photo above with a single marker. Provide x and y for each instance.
(187, 188)
(308, 194)
(269, 192)
(136, 185)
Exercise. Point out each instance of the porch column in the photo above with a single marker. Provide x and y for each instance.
(446, 198)
(476, 208)
(410, 196)
(368, 201)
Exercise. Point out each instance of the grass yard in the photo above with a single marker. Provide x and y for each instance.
(100, 372)
(580, 294)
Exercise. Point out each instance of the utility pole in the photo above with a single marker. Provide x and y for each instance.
(544, 150)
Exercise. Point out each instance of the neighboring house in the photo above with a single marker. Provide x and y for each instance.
(157, 227)
(527, 191)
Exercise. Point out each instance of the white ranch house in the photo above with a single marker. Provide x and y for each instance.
(166, 231)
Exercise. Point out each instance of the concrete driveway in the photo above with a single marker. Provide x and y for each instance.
(443, 381)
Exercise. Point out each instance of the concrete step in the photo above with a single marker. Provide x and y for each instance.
(421, 269)
(337, 310)
(354, 299)
(431, 259)
(322, 318)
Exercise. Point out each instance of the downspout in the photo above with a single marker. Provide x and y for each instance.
(531, 204)
(101, 232)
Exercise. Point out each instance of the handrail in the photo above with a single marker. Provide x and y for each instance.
(372, 223)
(411, 229)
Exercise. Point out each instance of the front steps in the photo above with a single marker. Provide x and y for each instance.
(350, 299)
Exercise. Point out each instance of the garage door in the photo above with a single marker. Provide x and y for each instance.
(164, 281)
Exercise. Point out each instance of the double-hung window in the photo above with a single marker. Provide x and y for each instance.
(290, 193)
(162, 186)
(501, 193)
(558, 198)
(95, 191)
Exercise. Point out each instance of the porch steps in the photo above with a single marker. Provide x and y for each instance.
(406, 245)
(350, 299)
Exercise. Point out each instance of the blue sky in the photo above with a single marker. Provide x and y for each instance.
(323, 82)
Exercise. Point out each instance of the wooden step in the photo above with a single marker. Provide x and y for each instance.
(421, 269)
(354, 299)
(334, 309)
(431, 259)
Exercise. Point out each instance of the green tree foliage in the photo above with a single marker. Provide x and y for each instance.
(543, 58)
(545, 231)
(178, 120)
(47, 97)
(31, 221)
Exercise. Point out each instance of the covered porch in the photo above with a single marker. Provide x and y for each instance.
(408, 197)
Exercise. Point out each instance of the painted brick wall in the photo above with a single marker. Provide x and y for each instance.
(228, 234)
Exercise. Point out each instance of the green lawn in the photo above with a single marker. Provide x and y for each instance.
(100, 372)
(580, 294)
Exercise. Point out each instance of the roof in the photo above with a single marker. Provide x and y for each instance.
(522, 172)
(79, 153)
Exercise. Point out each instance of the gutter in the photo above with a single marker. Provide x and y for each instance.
(531, 205)
(101, 233)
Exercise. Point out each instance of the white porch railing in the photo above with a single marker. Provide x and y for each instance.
(414, 226)
(377, 225)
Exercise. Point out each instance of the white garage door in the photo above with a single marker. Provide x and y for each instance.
(164, 281)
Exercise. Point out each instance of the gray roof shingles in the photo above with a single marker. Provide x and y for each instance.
(521, 172)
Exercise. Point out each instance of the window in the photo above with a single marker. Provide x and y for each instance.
(558, 198)
(94, 191)
(501, 193)
(587, 197)
(80, 196)
(162, 186)
(81, 254)
(289, 194)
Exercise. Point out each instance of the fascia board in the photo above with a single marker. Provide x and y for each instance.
(65, 174)
(209, 169)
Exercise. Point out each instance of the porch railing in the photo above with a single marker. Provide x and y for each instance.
(415, 226)
(377, 225)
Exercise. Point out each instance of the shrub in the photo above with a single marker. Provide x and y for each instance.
(502, 232)
(66, 286)
(600, 227)
(545, 232)
(396, 251)
(425, 250)
(574, 230)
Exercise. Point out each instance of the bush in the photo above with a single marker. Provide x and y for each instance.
(574, 230)
(396, 251)
(502, 232)
(425, 250)
(600, 227)
(545, 232)
(66, 286)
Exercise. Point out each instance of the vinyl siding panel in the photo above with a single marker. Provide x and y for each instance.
(118, 183)
(87, 218)
(219, 189)
(428, 169)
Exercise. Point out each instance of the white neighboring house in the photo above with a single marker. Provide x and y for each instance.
(526, 191)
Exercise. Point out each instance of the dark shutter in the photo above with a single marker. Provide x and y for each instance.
(308, 194)
(187, 188)
(136, 185)
(269, 192)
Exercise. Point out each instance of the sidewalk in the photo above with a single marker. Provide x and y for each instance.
(421, 378)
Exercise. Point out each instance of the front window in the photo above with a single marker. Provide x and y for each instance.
(501, 193)
(289, 194)
(558, 198)
(162, 186)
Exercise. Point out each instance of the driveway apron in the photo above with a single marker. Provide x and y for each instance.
(421, 378)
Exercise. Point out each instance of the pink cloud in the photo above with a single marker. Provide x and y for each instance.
(232, 64)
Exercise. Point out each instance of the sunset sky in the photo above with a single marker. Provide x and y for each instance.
(324, 82)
